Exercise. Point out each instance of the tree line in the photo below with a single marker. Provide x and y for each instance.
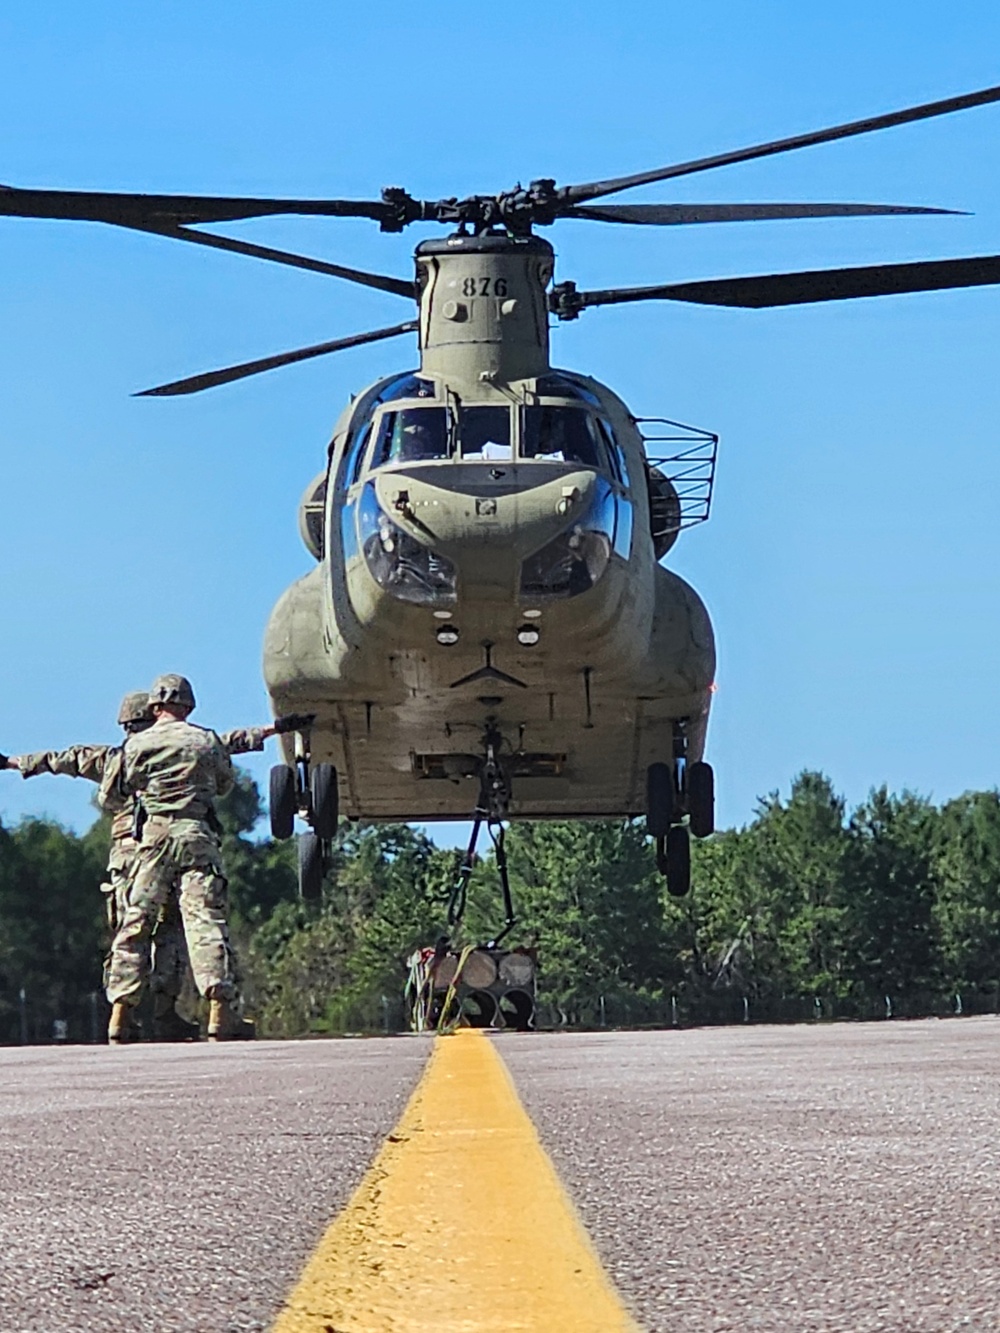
(811, 910)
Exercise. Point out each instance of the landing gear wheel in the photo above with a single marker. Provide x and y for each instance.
(661, 799)
(673, 860)
(283, 801)
(311, 867)
(325, 800)
(701, 799)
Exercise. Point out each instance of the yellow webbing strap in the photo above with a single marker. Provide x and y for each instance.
(443, 1025)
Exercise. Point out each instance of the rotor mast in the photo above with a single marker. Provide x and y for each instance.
(483, 307)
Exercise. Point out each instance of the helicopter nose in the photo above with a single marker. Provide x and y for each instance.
(501, 513)
(453, 537)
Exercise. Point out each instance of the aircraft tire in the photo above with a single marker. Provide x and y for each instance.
(661, 800)
(325, 800)
(311, 869)
(701, 799)
(282, 802)
(677, 859)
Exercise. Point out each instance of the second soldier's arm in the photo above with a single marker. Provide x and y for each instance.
(79, 761)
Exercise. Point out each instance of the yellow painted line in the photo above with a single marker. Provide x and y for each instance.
(460, 1224)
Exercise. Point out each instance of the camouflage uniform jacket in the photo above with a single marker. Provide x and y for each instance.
(113, 798)
(178, 770)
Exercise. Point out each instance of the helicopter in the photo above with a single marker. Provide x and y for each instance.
(488, 630)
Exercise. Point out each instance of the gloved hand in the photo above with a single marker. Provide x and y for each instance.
(293, 722)
(4, 759)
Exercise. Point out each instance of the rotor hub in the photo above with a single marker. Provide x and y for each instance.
(515, 211)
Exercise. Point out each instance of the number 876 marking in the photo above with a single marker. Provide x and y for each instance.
(484, 287)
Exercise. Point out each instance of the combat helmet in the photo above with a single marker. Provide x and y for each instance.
(135, 708)
(171, 689)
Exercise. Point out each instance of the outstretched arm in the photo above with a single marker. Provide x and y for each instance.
(244, 739)
(241, 740)
(79, 761)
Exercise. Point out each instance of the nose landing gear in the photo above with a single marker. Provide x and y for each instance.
(311, 791)
(680, 800)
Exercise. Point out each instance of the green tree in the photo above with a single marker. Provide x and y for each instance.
(51, 928)
(967, 906)
(891, 895)
(773, 893)
(326, 967)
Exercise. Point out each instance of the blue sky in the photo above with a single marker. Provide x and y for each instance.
(851, 563)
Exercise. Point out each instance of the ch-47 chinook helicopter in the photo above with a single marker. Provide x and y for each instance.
(488, 629)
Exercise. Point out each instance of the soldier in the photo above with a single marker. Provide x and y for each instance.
(177, 771)
(169, 952)
(102, 764)
(170, 961)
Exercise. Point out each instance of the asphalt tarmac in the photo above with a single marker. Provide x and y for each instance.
(801, 1179)
(744, 1180)
(180, 1189)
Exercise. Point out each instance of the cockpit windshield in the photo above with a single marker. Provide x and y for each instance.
(413, 434)
(562, 435)
(552, 433)
(484, 433)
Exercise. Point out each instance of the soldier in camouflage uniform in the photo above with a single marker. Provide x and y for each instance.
(169, 951)
(170, 961)
(177, 772)
(103, 764)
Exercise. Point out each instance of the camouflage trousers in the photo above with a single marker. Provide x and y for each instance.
(169, 948)
(177, 869)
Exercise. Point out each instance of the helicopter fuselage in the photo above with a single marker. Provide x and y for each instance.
(486, 562)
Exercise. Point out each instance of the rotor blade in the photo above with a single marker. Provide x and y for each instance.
(572, 194)
(398, 286)
(672, 215)
(170, 210)
(195, 383)
(833, 284)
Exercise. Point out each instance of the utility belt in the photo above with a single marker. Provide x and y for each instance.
(147, 827)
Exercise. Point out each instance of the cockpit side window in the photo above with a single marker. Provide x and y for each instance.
(408, 385)
(616, 453)
(484, 433)
(411, 435)
(356, 455)
(563, 435)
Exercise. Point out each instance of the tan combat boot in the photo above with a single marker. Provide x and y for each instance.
(225, 1023)
(123, 1027)
(168, 1024)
